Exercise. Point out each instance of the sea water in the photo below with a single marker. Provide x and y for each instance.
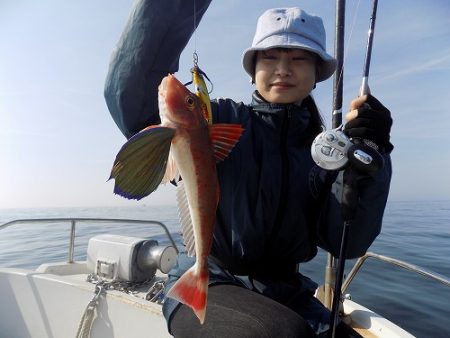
(416, 232)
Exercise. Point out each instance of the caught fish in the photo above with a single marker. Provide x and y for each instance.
(182, 145)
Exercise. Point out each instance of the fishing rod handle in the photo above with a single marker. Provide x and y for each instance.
(364, 90)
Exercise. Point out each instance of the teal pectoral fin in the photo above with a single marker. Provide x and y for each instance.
(141, 162)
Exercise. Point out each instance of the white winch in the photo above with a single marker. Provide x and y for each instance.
(129, 259)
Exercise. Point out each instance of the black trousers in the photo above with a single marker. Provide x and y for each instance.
(236, 312)
(233, 311)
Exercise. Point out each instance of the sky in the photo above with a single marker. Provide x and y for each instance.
(58, 141)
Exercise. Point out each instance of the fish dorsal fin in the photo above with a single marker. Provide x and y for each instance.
(187, 229)
(224, 137)
(141, 163)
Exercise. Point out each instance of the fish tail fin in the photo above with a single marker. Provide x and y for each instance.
(192, 290)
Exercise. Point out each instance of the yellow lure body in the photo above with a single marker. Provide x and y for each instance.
(202, 92)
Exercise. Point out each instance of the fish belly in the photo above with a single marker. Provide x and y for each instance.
(195, 160)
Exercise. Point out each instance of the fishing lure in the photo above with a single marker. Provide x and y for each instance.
(201, 90)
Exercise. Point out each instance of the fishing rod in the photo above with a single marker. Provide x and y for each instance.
(330, 268)
(333, 150)
(350, 192)
(365, 81)
(338, 83)
(336, 122)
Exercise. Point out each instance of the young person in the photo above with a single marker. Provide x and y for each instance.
(276, 206)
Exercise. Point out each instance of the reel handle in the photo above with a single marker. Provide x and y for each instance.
(364, 158)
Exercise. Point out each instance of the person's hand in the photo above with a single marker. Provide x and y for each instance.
(369, 120)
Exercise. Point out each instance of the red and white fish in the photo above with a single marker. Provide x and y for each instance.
(182, 145)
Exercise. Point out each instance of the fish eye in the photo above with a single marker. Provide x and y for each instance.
(190, 100)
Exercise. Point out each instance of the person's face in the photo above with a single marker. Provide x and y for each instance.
(285, 75)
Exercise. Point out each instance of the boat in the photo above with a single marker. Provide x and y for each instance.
(107, 295)
(118, 290)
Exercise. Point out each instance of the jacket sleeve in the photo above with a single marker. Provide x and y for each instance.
(149, 48)
(373, 190)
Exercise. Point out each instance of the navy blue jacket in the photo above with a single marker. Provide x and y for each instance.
(276, 206)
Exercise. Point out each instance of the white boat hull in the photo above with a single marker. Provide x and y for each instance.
(39, 304)
(50, 302)
(370, 324)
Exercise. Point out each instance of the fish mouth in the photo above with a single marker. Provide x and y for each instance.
(168, 91)
(173, 92)
(162, 89)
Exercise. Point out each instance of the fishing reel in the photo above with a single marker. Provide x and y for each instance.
(333, 150)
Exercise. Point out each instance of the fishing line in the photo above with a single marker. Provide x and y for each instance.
(196, 68)
(198, 76)
(352, 29)
(195, 32)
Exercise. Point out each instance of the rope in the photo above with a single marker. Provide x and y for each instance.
(84, 328)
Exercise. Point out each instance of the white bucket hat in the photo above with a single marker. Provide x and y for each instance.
(290, 28)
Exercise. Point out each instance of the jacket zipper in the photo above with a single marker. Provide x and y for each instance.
(284, 174)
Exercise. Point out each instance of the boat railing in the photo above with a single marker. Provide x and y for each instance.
(74, 221)
(407, 266)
